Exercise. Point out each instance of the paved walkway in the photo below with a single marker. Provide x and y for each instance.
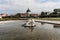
(48, 21)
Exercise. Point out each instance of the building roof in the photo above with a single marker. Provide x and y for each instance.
(28, 10)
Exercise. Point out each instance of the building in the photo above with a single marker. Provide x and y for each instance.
(27, 14)
(3, 15)
(28, 11)
(34, 15)
(23, 15)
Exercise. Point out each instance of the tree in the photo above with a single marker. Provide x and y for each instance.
(56, 12)
(18, 15)
(44, 14)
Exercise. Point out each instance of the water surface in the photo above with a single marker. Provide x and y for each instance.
(15, 31)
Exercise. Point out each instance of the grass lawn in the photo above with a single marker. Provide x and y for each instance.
(52, 19)
(5, 19)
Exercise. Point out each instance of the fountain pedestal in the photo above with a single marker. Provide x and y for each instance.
(30, 23)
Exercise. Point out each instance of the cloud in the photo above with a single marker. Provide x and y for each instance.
(47, 1)
(36, 6)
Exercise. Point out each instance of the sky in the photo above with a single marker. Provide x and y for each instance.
(36, 6)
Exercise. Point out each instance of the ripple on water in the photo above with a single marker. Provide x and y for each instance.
(15, 31)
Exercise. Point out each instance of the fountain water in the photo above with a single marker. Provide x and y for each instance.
(30, 23)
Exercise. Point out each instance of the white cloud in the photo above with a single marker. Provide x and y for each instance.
(35, 6)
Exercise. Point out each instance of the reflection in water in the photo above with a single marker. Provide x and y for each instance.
(31, 28)
(15, 31)
(56, 26)
(42, 23)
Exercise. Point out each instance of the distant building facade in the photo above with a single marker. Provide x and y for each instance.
(34, 15)
(3, 15)
(25, 15)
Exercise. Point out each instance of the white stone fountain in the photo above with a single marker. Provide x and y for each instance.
(30, 23)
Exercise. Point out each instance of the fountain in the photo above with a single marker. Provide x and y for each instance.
(30, 23)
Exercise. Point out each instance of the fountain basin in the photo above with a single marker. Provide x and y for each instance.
(29, 25)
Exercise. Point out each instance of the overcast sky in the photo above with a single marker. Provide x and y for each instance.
(36, 6)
